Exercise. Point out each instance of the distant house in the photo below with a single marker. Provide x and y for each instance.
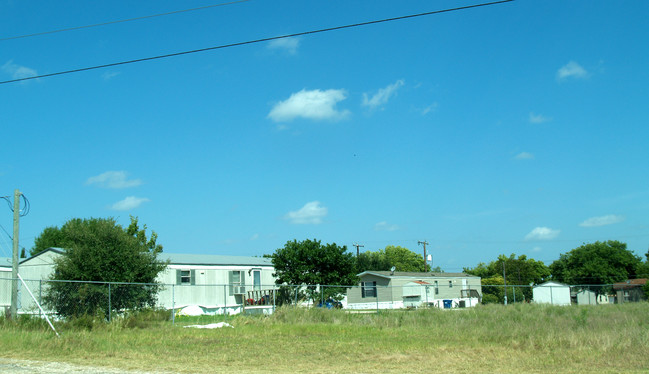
(5, 290)
(554, 293)
(630, 290)
(214, 283)
(588, 297)
(396, 290)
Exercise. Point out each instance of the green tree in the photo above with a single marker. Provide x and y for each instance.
(519, 271)
(50, 237)
(596, 263)
(494, 290)
(311, 263)
(401, 258)
(100, 250)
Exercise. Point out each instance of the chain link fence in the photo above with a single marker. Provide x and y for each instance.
(108, 299)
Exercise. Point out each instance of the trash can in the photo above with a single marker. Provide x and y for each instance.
(448, 304)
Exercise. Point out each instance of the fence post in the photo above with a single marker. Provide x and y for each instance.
(274, 292)
(40, 295)
(225, 300)
(296, 296)
(173, 304)
(514, 289)
(377, 299)
(109, 306)
(551, 299)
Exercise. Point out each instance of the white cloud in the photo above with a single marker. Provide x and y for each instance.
(17, 71)
(290, 45)
(382, 96)
(310, 213)
(110, 75)
(114, 179)
(384, 226)
(524, 156)
(431, 108)
(129, 203)
(539, 118)
(602, 220)
(571, 70)
(313, 105)
(542, 233)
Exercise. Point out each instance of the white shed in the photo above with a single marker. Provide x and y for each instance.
(554, 293)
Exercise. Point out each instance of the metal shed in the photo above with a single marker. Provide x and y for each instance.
(554, 293)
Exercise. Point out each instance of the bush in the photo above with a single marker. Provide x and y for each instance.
(488, 298)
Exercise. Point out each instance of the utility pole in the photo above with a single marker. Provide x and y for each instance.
(424, 243)
(14, 259)
(357, 246)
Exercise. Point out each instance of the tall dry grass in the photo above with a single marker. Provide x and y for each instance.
(505, 339)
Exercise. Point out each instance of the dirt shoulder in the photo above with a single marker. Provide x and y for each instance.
(15, 366)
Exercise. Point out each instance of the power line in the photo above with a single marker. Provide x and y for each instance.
(119, 21)
(335, 28)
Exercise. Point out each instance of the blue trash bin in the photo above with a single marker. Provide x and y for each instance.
(448, 304)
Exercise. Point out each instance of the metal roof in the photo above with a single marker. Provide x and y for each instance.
(192, 259)
(408, 274)
(631, 283)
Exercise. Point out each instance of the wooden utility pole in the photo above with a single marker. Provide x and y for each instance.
(14, 258)
(424, 243)
(357, 246)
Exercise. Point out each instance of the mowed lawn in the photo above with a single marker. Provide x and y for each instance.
(488, 339)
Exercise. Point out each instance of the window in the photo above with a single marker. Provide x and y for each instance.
(185, 277)
(368, 289)
(450, 284)
(436, 288)
(256, 279)
(237, 282)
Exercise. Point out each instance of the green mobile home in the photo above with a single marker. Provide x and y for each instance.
(396, 290)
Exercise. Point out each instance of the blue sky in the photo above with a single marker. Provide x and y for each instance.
(514, 128)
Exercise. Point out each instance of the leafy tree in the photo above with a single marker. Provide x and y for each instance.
(100, 250)
(50, 237)
(521, 271)
(493, 291)
(401, 258)
(596, 263)
(311, 263)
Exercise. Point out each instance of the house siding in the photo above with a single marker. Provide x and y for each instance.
(391, 289)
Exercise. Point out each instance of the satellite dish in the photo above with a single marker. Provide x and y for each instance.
(392, 269)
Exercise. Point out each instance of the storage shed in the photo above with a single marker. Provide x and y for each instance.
(554, 293)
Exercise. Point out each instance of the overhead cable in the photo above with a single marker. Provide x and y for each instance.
(119, 21)
(335, 28)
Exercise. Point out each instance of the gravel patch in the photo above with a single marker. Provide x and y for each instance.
(15, 366)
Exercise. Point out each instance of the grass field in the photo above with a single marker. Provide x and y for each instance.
(486, 339)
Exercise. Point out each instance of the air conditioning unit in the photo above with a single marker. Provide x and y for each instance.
(238, 290)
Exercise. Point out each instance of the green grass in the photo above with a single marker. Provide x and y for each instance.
(487, 339)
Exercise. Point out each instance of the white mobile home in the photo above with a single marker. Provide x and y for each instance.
(218, 284)
(213, 283)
